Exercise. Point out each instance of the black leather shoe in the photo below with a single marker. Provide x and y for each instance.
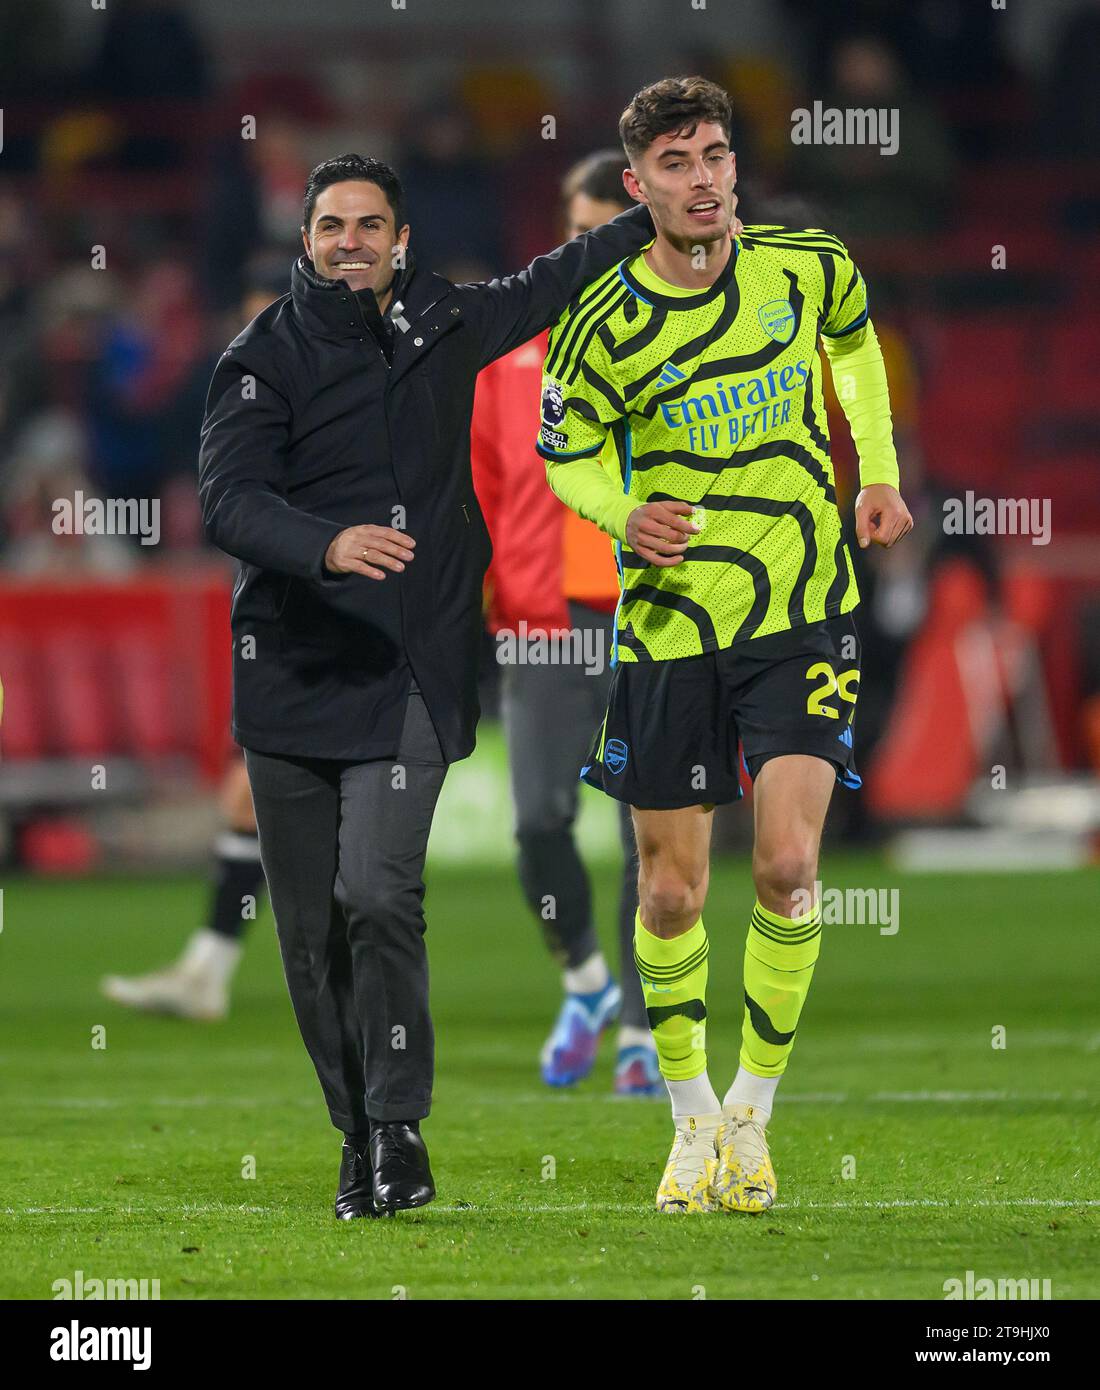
(355, 1195)
(402, 1177)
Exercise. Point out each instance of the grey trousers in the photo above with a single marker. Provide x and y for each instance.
(343, 847)
(550, 714)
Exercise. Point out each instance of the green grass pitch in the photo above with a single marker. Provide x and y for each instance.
(127, 1161)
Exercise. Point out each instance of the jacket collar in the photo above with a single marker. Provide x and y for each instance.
(328, 306)
(429, 310)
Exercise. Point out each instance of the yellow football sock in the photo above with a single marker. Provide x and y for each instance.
(780, 955)
(674, 983)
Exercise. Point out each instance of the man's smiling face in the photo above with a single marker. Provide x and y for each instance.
(352, 236)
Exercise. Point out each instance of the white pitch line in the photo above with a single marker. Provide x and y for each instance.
(168, 1102)
(579, 1098)
(829, 1097)
(955, 1097)
(573, 1208)
(799, 1205)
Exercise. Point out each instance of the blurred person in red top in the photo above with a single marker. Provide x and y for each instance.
(553, 573)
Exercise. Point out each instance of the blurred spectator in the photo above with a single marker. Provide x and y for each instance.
(22, 387)
(266, 277)
(451, 194)
(47, 465)
(28, 51)
(876, 194)
(255, 201)
(943, 44)
(150, 50)
(1071, 103)
(143, 380)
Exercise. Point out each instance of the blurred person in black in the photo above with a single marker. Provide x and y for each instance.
(255, 185)
(151, 65)
(1071, 91)
(335, 463)
(944, 45)
(903, 193)
(148, 50)
(23, 375)
(451, 192)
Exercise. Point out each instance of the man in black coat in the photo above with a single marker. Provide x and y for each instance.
(335, 465)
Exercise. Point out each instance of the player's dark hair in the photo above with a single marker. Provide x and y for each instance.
(354, 166)
(598, 176)
(673, 104)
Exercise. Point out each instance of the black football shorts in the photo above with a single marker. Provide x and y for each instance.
(670, 735)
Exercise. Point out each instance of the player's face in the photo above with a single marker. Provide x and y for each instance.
(582, 213)
(687, 182)
(353, 236)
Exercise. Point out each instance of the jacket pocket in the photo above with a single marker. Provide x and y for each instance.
(424, 378)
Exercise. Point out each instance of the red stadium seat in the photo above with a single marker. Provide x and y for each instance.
(78, 694)
(141, 672)
(23, 732)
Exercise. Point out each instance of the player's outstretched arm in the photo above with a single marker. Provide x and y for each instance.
(507, 312)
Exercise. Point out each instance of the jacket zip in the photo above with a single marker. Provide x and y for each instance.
(366, 330)
(396, 485)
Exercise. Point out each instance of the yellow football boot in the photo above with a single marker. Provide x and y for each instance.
(691, 1166)
(745, 1180)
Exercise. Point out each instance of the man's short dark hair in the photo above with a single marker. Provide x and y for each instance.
(354, 166)
(598, 176)
(673, 104)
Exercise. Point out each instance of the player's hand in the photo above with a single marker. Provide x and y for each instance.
(881, 516)
(659, 533)
(369, 550)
